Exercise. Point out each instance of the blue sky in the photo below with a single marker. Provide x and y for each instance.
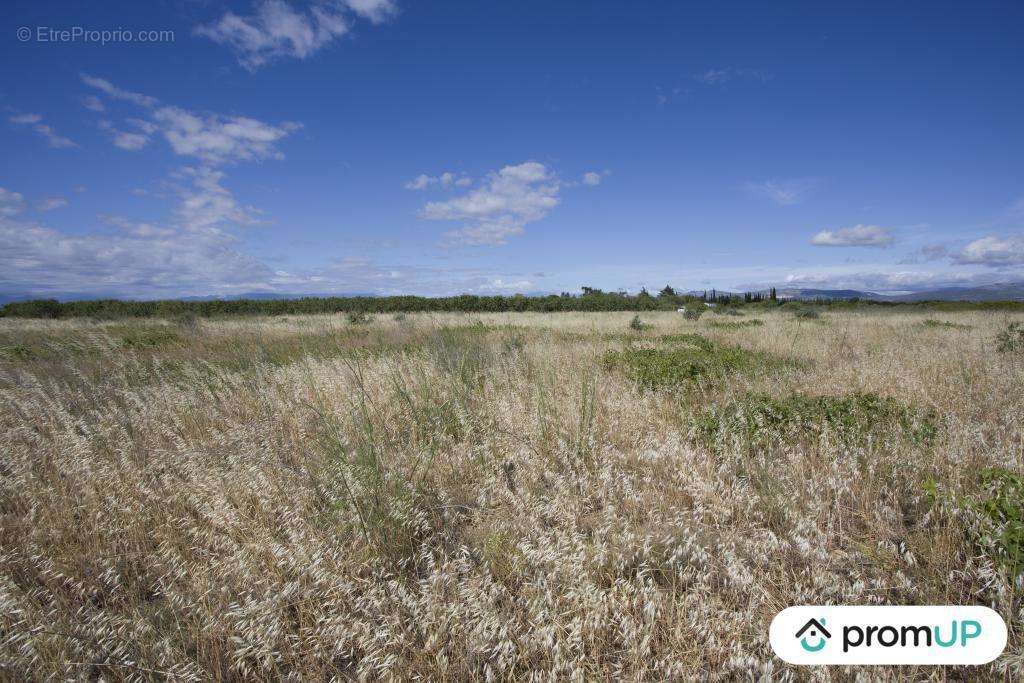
(388, 146)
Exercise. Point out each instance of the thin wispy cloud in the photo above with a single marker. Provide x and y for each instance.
(11, 203)
(35, 123)
(784, 192)
(93, 103)
(51, 204)
(278, 30)
(857, 236)
(446, 179)
(212, 138)
(117, 93)
(727, 74)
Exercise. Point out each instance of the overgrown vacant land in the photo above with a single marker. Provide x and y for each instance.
(510, 495)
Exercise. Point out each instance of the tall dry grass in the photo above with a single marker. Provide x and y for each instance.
(490, 497)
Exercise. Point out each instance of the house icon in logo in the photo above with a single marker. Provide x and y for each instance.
(814, 628)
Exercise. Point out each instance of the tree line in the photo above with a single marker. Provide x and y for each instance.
(590, 300)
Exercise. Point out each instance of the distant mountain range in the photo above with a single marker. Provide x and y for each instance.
(1002, 291)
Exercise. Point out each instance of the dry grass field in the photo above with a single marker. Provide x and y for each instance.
(506, 496)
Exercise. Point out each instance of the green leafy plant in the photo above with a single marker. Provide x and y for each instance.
(758, 418)
(1011, 339)
(359, 318)
(695, 359)
(1003, 512)
(637, 325)
(931, 322)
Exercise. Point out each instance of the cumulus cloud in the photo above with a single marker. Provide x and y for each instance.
(501, 206)
(43, 261)
(446, 179)
(50, 204)
(993, 251)
(277, 29)
(217, 139)
(885, 280)
(206, 203)
(857, 236)
(35, 121)
(591, 178)
(11, 203)
(783, 192)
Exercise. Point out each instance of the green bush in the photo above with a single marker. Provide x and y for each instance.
(16, 352)
(697, 360)
(758, 419)
(359, 318)
(637, 325)
(694, 312)
(151, 339)
(931, 322)
(1003, 512)
(1011, 339)
(806, 314)
(736, 324)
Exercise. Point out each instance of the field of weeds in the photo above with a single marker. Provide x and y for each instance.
(451, 497)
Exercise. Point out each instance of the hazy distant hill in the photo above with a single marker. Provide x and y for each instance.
(1003, 291)
(826, 294)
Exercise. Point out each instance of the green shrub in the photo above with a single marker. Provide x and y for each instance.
(806, 314)
(1011, 339)
(737, 324)
(637, 325)
(757, 419)
(1002, 510)
(151, 339)
(931, 322)
(697, 360)
(693, 312)
(16, 352)
(359, 318)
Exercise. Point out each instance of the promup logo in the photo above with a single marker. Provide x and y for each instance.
(817, 630)
(888, 635)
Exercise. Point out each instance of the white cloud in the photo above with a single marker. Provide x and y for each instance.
(51, 203)
(278, 30)
(11, 203)
(591, 178)
(35, 121)
(376, 11)
(93, 103)
(857, 236)
(206, 204)
(212, 138)
(113, 91)
(501, 206)
(126, 140)
(137, 229)
(216, 139)
(44, 262)
(723, 76)
(993, 251)
(446, 179)
(783, 192)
